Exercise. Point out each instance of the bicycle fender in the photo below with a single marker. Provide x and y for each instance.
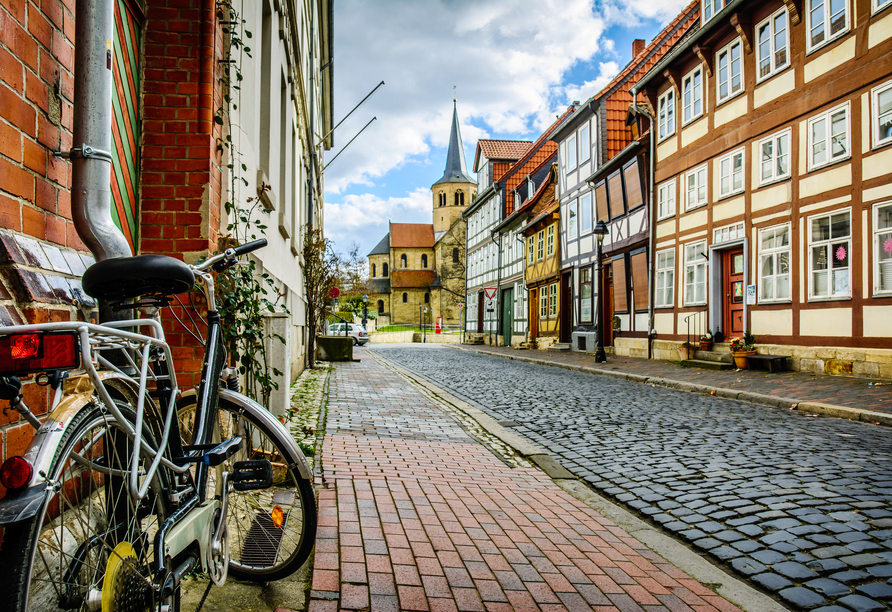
(267, 418)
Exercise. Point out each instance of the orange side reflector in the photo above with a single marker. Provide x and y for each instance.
(278, 516)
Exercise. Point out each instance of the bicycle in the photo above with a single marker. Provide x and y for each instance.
(128, 484)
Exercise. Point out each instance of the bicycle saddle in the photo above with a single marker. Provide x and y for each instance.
(124, 278)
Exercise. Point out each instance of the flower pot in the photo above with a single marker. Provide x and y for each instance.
(705, 345)
(740, 359)
(686, 352)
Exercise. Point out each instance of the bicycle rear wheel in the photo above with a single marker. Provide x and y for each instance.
(91, 541)
(271, 531)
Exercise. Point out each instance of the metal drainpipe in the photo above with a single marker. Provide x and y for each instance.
(91, 159)
(498, 244)
(652, 225)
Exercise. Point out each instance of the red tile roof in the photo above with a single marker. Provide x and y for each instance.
(619, 135)
(501, 149)
(411, 235)
(412, 278)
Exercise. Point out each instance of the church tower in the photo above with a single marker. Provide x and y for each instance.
(456, 189)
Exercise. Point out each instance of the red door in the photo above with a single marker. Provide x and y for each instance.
(733, 290)
(480, 312)
(534, 314)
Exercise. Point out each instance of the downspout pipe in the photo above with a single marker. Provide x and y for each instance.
(498, 243)
(91, 158)
(651, 222)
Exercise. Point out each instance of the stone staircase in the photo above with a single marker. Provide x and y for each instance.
(559, 347)
(719, 359)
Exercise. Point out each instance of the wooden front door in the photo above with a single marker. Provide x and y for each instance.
(607, 303)
(507, 315)
(534, 314)
(481, 310)
(566, 306)
(733, 292)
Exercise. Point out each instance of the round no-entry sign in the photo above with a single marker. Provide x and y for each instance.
(334, 293)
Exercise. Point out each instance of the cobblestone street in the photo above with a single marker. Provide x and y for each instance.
(797, 504)
(417, 514)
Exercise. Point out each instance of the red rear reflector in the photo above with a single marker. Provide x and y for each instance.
(38, 352)
(15, 473)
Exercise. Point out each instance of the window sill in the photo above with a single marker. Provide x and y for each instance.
(834, 38)
(696, 206)
(665, 138)
(830, 163)
(728, 196)
(694, 305)
(880, 145)
(877, 11)
(731, 97)
(841, 298)
(670, 307)
(773, 302)
(669, 216)
(775, 181)
(770, 76)
(693, 120)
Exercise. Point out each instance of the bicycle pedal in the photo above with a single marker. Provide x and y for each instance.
(251, 475)
(215, 455)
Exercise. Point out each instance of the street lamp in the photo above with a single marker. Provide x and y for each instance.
(424, 326)
(365, 310)
(600, 231)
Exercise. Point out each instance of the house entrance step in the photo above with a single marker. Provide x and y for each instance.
(706, 365)
(559, 347)
(721, 356)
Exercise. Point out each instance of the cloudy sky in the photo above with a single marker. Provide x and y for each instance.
(511, 64)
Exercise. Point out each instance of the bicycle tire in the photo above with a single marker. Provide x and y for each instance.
(81, 492)
(259, 550)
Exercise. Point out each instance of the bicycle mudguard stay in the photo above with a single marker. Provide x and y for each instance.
(267, 418)
(78, 392)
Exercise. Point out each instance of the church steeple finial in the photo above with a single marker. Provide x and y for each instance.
(456, 171)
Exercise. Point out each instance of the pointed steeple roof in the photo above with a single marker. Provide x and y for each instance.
(455, 158)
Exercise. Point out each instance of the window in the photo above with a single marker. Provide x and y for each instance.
(695, 273)
(695, 191)
(829, 244)
(827, 19)
(774, 264)
(571, 152)
(543, 303)
(483, 175)
(731, 173)
(585, 295)
(530, 252)
(404, 262)
(775, 158)
(373, 270)
(667, 113)
(728, 233)
(380, 307)
(459, 198)
(384, 270)
(550, 248)
(455, 255)
(405, 297)
(540, 248)
(552, 300)
(879, 5)
(518, 300)
(585, 213)
(424, 261)
(427, 298)
(771, 44)
(730, 71)
(711, 8)
(571, 219)
(882, 228)
(692, 94)
(585, 144)
(882, 114)
(665, 297)
(828, 136)
(666, 199)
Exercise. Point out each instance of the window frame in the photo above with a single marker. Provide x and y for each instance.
(774, 70)
(689, 78)
(591, 294)
(531, 246)
(774, 138)
(664, 272)
(582, 208)
(543, 303)
(712, 9)
(552, 301)
(572, 219)
(876, 7)
(702, 261)
(587, 149)
(729, 157)
(878, 237)
(827, 116)
(572, 153)
(830, 243)
(874, 112)
(670, 130)
(668, 187)
(540, 245)
(549, 241)
(809, 46)
(696, 172)
(775, 253)
(719, 99)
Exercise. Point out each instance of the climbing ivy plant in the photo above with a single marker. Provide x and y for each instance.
(245, 296)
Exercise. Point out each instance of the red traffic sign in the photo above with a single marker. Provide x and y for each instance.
(334, 293)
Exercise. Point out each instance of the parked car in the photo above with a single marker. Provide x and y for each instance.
(357, 332)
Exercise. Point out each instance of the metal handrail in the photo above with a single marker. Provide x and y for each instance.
(701, 321)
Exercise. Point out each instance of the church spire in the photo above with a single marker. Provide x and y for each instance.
(456, 172)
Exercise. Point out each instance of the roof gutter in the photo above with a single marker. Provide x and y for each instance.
(672, 55)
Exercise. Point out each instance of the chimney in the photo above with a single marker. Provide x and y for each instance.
(637, 47)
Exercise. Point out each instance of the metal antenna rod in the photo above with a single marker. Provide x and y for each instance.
(348, 114)
(348, 144)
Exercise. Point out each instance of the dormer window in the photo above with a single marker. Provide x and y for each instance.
(516, 200)
(531, 187)
(711, 8)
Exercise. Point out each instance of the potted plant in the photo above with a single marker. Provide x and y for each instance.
(741, 348)
(686, 350)
(706, 341)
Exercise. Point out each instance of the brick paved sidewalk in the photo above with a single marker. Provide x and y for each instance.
(419, 516)
(846, 391)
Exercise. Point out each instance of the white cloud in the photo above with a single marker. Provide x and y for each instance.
(363, 218)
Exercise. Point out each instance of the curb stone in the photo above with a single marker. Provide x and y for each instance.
(774, 401)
